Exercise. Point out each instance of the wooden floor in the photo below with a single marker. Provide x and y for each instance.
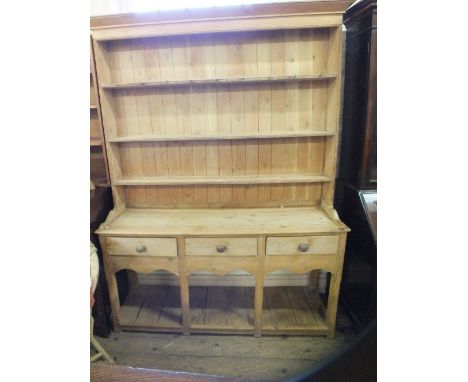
(241, 357)
(223, 309)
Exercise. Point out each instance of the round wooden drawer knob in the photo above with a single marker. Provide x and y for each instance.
(141, 248)
(303, 247)
(221, 248)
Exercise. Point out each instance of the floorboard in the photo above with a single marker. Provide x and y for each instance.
(242, 357)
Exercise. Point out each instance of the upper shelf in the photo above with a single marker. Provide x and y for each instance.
(205, 137)
(221, 180)
(218, 81)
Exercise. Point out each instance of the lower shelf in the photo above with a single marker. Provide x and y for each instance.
(214, 309)
(293, 310)
(221, 309)
(149, 307)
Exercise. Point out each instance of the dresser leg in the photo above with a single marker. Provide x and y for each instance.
(258, 305)
(332, 305)
(184, 286)
(334, 290)
(114, 299)
(259, 281)
(184, 300)
(111, 286)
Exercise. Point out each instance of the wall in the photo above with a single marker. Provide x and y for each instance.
(108, 7)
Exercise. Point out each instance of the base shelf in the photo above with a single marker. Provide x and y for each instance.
(144, 222)
(217, 308)
(150, 306)
(220, 180)
(213, 309)
(293, 309)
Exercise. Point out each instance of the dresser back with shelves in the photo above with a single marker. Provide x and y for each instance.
(242, 118)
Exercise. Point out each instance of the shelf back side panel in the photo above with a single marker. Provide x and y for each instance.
(219, 55)
(199, 196)
(223, 159)
(221, 109)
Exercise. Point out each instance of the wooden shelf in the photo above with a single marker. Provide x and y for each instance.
(218, 81)
(288, 310)
(221, 308)
(219, 221)
(95, 142)
(220, 180)
(93, 107)
(160, 308)
(262, 135)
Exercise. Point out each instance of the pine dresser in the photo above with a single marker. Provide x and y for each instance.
(221, 130)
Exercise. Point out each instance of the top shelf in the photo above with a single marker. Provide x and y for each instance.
(218, 81)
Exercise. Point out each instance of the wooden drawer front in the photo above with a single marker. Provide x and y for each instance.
(311, 245)
(221, 246)
(126, 246)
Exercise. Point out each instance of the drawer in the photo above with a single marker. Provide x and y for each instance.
(219, 246)
(304, 245)
(127, 246)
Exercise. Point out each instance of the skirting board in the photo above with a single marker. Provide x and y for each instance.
(238, 279)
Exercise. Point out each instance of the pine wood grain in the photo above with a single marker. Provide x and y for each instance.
(216, 26)
(246, 246)
(226, 221)
(141, 247)
(221, 81)
(102, 372)
(233, 179)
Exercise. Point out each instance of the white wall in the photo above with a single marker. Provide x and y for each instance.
(108, 7)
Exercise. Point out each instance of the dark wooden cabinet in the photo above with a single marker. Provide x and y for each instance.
(358, 165)
(357, 176)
